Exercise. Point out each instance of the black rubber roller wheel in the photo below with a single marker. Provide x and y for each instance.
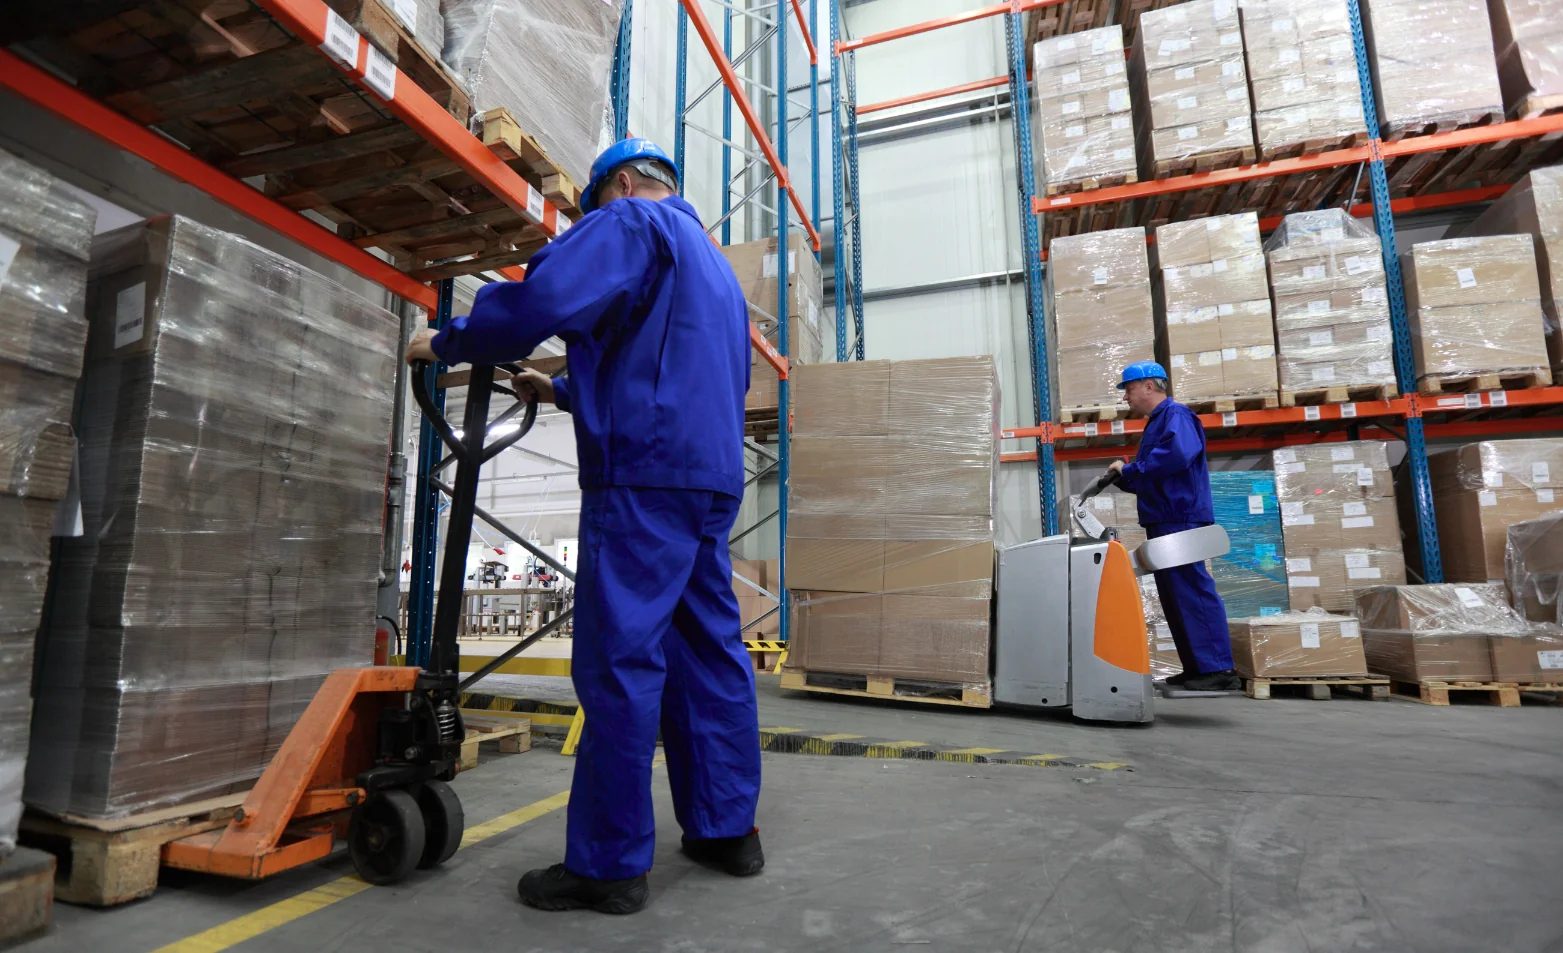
(443, 821)
(385, 837)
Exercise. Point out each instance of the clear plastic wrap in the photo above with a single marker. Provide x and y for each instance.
(1331, 306)
(547, 61)
(1302, 74)
(1191, 85)
(1534, 206)
(1084, 126)
(1528, 35)
(755, 265)
(1433, 63)
(1480, 489)
(1099, 297)
(1455, 632)
(890, 518)
(1251, 577)
(1164, 652)
(234, 421)
(1533, 567)
(1314, 643)
(1474, 306)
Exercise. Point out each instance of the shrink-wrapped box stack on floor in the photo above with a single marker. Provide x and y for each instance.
(1332, 331)
(1480, 490)
(1534, 207)
(1251, 577)
(1433, 65)
(1215, 333)
(1302, 72)
(1533, 567)
(1191, 90)
(1475, 311)
(1339, 522)
(234, 421)
(1528, 36)
(755, 264)
(45, 238)
(1311, 644)
(890, 531)
(547, 62)
(1099, 295)
(1085, 127)
(1450, 632)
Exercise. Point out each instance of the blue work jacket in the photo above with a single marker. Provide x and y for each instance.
(1169, 475)
(658, 344)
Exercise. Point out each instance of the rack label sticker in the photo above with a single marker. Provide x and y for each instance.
(1468, 597)
(8, 249)
(1356, 522)
(1117, 427)
(1540, 472)
(1348, 410)
(1303, 582)
(1497, 398)
(341, 40)
(1256, 505)
(1229, 418)
(535, 205)
(1310, 413)
(1310, 634)
(1365, 477)
(1550, 659)
(1451, 401)
(1090, 430)
(1544, 496)
(1473, 400)
(130, 311)
(1354, 509)
(564, 223)
(1487, 497)
(380, 74)
(1062, 200)
(1350, 629)
(407, 12)
(1364, 574)
(1467, 277)
(1286, 456)
(1299, 564)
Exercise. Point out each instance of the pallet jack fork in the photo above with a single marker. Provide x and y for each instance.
(371, 758)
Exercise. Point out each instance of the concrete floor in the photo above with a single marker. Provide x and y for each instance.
(1239, 825)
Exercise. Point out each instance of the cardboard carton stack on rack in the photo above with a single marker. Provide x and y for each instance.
(1475, 312)
(1451, 632)
(1216, 336)
(1433, 65)
(1333, 337)
(756, 264)
(1534, 207)
(1099, 296)
(1302, 71)
(1085, 127)
(1191, 90)
(890, 522)
(1528, 35)
(1481, 489)
(45, 237)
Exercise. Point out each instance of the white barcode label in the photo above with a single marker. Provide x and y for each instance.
(1312, 413)
(1188, 102)
(380, 74)
(1325, 373)
(130, 309)
(1117, 428)
(1261, 351)
(1091, 430)
(1451, 401)
(1345, 468)
(1314, 271)
(1237, 124)
(1364, 574)
(1343, 453)
(1231, 68)
(1163, 630)
(1355, 265)
(1497, 398)
(1473, 400)
(1229, 354)
(1365, 477)
(1540, 472)
(1120, 123)
(1356, 561)
(1218, 266)
(1294, 85)
(1183, 72)
(1303, 582)
(1070, 108)
(1290, 55)
(1468, 597)
(1467, 277)
(1229, 419)
(341, 40)
(1310, 634)
(1073, 132)
(1495, 478)
(1348, 410)
(1188, 132)
(534, 205)
(1299, 564)
(1487, 497)
(1236, 93)
(1099, 276)
(1349, 629)
(1256, 505)
(1550, 659)
(1231, 39)
(1166, 646)
(1070, 78)
(407, 12)
(1354, 509)
(1285, 456)
(1544, 496)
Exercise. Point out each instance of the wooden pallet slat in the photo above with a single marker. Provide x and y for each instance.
(1230, 403)
(1338, 395)
(1435, 692)
(1094, 413)
(513, 734)
(26, 894)
(1319, 689)
(923, 691)
(1517, 379)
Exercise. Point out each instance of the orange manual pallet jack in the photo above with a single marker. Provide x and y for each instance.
(371, 758)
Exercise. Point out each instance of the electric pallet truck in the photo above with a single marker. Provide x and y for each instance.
(372, 757)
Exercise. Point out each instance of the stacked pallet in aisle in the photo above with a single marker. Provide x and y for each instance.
(1481, 489)
(1333, 337)
(890, 529)
(1215, 333)
(45, 237)
(1528, 36)
(1474, 306)
(1433, 65)
(1191, 90)
(1099, 296)
(1084, 125)
(1339, 522)
(1302, 72)
(755, 264)
(234, 420)
(1534, 207)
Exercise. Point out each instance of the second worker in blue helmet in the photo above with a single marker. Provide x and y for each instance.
(658, 356)
(1171, 481)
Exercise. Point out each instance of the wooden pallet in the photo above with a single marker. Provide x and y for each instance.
(900, 689)
(1206, 162)
(1319, 689)
(1534, 107)
(1394, 131)
(106, 862)
(762, 421)
(1529, 690)
(1096, 413)
(1226, 405)
(1431, 692)
(1338, 395)
(513, 734)
(1071, 16)
(1086, 185)
(1468, 384)
(1312, 147)
(26, 894)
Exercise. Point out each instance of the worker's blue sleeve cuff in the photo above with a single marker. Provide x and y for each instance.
(441, 343)
(1127, 477)
(562, 393)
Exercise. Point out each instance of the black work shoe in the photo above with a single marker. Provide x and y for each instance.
(556, 888)
(739, 856)
(1178, 679)
(1214, 682)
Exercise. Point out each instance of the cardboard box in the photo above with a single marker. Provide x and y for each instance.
(1098, 260)
(1475, 305)
(1223, 281)
(1533, 567)
(835, 632)
(1481, 489)
(1084, 128)
(1536, 656)
(935, 637)
(1207, 239)
(1534, 206)
(1435, 632)
(1087, 50)
(1120, 315)
(1297, 644)
(1189, 33)
(1432, 62)
(1190, 83)
(841, 400)
(1470, 271)
(1529, 42)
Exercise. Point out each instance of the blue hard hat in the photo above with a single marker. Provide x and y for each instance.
(625, 150)
(1141, 370)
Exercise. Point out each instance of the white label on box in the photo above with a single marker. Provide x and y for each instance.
(1318, 338)
(1229, 354)
(1497, 398)
(1237, 93)
(1237, 124)
(1166, 646)
(380, 74)
(1356, 561)
(1070, 108)
(1065, 43)
(1295, 85)
(1473, 400)
(1218, 266)
(1231, 68)
(1495, 477)
(407, 12)
(1348, 410)
(1121, 123)
(1178, 360)
(1378, 367)
(1310, 413)
(1467, 277)
(768, 264)
(1183, 72)
(1103, 502)
(1163, 630)
(1188, 132)
(1356, 522)
(1071, 78)
(1350, 629)
(130, 311)
(8, 249)
(1365, 477)
(1299, 564)
(1346, 468)
(1364, 574)
(1325, 373)
(1284, 468)
(1355, 265)
(1256, 505)
(1343, 453)
(1314, 271)
(1487, 497)
(1124, 153)
(1303, 582)
(1378, 332)
(1310, 634)
(1115, 68)
(1544, 496)
(1222, 9)
(1315, 307)
(1228, 418)
(1291, 508)
(1354, 509)
(1551, 659)
(1222, 310)
(1073, 132)
(1188, 102)
(1285, 456)
(1540, 472)
(1304, 520)
(1099, 45)
(1209, 358)
(1280, 26)
(1231, 39)
(1099, 276)
(812, 315)
(1374, 294)
(1468, 597)
(1349, 111)
(341, 40)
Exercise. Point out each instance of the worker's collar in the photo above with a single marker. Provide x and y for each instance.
(678, 202)
(1159, 407)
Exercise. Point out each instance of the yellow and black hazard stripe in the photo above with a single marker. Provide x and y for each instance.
(762, 645)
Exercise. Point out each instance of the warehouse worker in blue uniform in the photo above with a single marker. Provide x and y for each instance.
(658, 355)
(1172, 485)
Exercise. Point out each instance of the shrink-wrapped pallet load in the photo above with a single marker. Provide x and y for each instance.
(1192, 109)
(1099, 296)
(1433, 65)
(1084, 125)
(1302, 72)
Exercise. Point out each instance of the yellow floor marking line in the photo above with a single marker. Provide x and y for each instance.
(838, 737)
(228, 935)
(958, 751)
(782, 731)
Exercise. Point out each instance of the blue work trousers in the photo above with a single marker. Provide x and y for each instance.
(1194, 610)
(658, 642)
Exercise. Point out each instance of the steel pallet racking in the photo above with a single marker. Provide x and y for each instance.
(1512, 146)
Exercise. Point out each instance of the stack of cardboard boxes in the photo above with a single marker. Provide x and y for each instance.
(1534, 207)
(1433, 63)
(1533, 568)
(1302, 72)
(1251, 577)
(1191, 89)
(1331, 309)
(1297, 644)
(1085, 127)
(1450, 632)
(1099, 295)
(1528, 35)
(1339, 522)
(1480, 489)
(1216, 336)
(1475, 308)
(755, 264)
(890, 531)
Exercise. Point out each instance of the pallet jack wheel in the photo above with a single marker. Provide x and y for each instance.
(386, 837)
(444, 822)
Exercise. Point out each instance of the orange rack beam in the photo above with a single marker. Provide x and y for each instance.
(934, 94)
(808, 40)
(927, 26)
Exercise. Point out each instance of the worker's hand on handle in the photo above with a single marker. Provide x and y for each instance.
(422, 348)
(1115, 467)
(533, 384)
